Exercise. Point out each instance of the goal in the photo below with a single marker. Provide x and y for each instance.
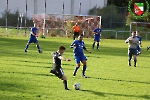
(61, 25)
(142, 27)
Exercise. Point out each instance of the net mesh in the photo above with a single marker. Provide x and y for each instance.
(142, 27)
(57, 24)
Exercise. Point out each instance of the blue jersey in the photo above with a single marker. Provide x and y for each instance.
(97, 30)
(78, 49)
(33, 30)
(32, 38)
(139, 37)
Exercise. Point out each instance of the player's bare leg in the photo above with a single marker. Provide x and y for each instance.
(76, 69)
(26, 48)
(84, 69)
(64, 79)
(38, 47)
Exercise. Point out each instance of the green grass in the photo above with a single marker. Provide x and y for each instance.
(109, 34)
(25, 76)
(13, 32)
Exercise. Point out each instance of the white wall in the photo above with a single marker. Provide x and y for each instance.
(53, 6)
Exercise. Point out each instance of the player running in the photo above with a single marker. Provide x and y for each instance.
(97, 35)
(78, 46)
(76, 30)
(33, 39)
(57, 69)
(140, 42)
(132, 48)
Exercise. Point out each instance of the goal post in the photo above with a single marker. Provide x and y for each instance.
(142, 27)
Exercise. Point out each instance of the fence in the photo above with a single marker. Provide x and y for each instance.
(106, 34)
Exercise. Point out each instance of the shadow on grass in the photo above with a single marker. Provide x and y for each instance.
(116, 94)
(19, 44)
(27, 61)
(38, 66)
(119, 80)
(12, 87)
(24, 73)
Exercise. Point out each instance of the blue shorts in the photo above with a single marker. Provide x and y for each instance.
(97, 39)
(79, 58)
(138, 48)
(32, 40)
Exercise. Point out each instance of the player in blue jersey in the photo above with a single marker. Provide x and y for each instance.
(140, 42)
(33, 39)
(97, 35)
(79, 46)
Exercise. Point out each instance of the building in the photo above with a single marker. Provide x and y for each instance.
(75, 7)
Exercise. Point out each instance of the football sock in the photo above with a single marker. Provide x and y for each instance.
(130, 57)
(26, 47)
(75, 70)
(38, 47)
(97, 45)
(135, 62)
(74, 37)
(83, 71)
(93, 45)
(65, 84)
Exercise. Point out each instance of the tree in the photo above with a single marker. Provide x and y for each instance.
(111, 16)
(119, 3)
(12, 19)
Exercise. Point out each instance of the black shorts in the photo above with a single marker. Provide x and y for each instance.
(58, 71)
(132, 52)
(76, 34)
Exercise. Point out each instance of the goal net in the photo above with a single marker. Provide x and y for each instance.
(142, 27)
(61, 25)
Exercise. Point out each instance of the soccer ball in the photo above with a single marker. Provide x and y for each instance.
(76, 86)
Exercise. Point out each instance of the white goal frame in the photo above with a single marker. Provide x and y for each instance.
(143, 24)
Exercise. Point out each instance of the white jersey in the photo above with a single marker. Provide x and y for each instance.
(131, 44)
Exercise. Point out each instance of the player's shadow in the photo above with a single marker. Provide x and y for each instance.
(94, 92)
(50, 63)
(19, 44)
(120, 80)
(104, 94)
(25, 73)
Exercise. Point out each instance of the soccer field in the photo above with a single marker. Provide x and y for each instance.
(25, 76)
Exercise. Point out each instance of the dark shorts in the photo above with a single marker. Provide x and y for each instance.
(76, 34)
(132, 52)
(32, 40)
(59, 71)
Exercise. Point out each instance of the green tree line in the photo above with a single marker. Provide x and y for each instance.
(12, 19)
(115, 16)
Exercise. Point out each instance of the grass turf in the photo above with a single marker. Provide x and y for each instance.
(25, 76)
